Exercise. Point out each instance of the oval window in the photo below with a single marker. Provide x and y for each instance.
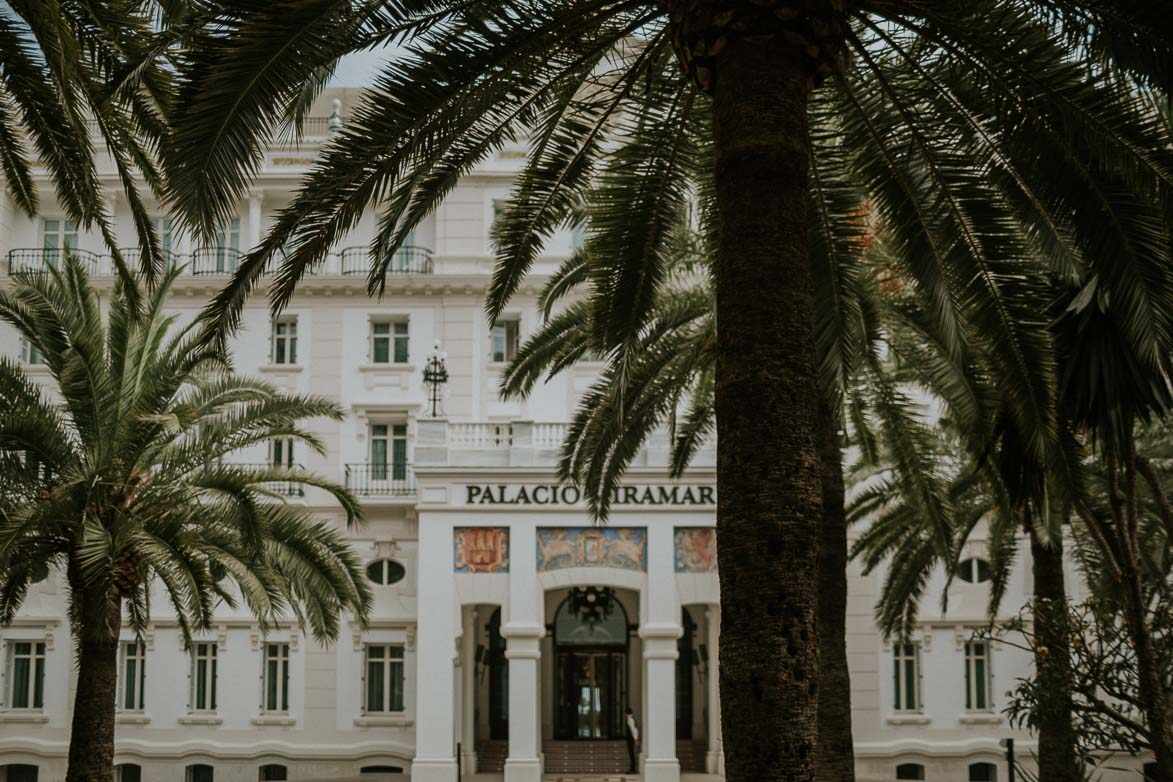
(975, 571)
(385, 572)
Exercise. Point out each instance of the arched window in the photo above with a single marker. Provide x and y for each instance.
(128, 772)
(20, 772)
(910, 771)
(273, 772)
(385, 572)
(590, 617)
(200, 772)
(975, 571)
(983, 772)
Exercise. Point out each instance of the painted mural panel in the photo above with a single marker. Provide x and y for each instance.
(481, 549)
(625, 548)
(696, 549)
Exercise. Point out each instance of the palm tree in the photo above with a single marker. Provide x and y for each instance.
(74, 73)
(966, 119)
(118, 483)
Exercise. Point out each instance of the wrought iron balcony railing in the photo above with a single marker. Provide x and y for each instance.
(408, 259)
(37, 259)
(378, 479)
(284, 488)
(213, 260)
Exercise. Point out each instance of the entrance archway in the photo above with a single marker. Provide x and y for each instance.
(590, 665)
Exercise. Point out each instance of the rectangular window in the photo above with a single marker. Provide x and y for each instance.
(281, 453)
(227, 245)
(163, 227)
(27, 675)
(276, 677)
(283, 348)
(384, 674)
(389, 342)
(134, 675)
(977, 676)
(503, 340)
(203, 676)
(29, 354)
(388, 446)
(906, 676)
(58, 236)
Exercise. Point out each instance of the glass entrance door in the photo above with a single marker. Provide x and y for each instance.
(592, 689)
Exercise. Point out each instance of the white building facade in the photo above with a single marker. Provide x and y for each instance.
(509, 633)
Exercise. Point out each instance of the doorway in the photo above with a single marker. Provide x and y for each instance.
(590, 666)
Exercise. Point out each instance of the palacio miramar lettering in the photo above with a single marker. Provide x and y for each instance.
(558, 494)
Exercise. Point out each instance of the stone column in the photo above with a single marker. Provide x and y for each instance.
(715, 757)
(255, 198)
(468, 691)
(660, 633)
(435, 686)
(523, 634)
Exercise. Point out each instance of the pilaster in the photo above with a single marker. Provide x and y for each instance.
(435, 759)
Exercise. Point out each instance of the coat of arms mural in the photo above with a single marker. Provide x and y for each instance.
(625, 548)
(481, 549)
(696, 549)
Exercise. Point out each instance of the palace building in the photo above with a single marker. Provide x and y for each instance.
(509, 633)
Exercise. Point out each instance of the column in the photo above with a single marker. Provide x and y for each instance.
(255, 197)
(523, 635)
(715, 757)
(435, 685)
(660, 632)
(468, 692)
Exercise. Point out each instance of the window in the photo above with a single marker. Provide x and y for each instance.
(56, 236)
(134, 672)
(384, 679)
(20, 772)
(385, 572)
(388, 440)
(281, 453)
(203, 678)
(906, 677)
(273, 772)
(30, 354)
(164, 228)
(977, 676)
(975, 571)
(500, 207)
(284, 341)
(389, 342)
(128, 772)
(983, 772)
(26, 664)
(910, 771)
(227, 244)
(503, 340)
(200, 772)
(276, 678)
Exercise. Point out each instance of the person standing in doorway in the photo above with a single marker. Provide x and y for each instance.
(632, 735)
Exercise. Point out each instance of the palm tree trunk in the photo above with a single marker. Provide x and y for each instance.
(836, 751)
(767, 393)
(1058, 761)
(91, 741)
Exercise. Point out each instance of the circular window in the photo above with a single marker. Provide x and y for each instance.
(385, 571)
(975, 571)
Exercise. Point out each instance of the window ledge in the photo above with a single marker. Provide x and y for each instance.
(27, 717)
(391, 720)
(980, 718)
(274, 719)
(908, 719)
(37, 370)
(280, 369)
(201, 719)
(390, 367)
(132, 718)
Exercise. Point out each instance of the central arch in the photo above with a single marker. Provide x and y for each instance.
(590, 638)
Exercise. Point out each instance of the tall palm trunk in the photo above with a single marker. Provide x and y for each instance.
(91, 743)
(836, 751)
(767, 395)
(1058, 761)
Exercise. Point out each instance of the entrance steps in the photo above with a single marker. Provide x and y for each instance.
(491, 756)
(691, 755)
(585, 758)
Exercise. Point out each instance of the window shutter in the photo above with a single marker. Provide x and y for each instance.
(264, 667)
(363, 684)
(968, 676)
(191, 679)
(920, 679)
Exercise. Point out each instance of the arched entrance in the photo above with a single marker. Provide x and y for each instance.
(590, 665)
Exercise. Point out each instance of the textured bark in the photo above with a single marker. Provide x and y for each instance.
(91, 741)
(1058, 761)
(769, 508)
(836, 752)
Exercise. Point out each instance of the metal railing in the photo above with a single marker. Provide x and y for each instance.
(377, 479)
(214, 260)
(408, 259)
(284, 488)
(38, 259)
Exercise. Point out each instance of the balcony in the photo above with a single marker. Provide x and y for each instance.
(283, 488)
(408, 259)
(375, 479)
(32, 259)
(212, 260)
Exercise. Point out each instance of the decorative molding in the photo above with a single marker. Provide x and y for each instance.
(623, 548)
(410, 644)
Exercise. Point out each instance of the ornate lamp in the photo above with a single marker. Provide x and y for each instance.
(435, 376)
(592, 604)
